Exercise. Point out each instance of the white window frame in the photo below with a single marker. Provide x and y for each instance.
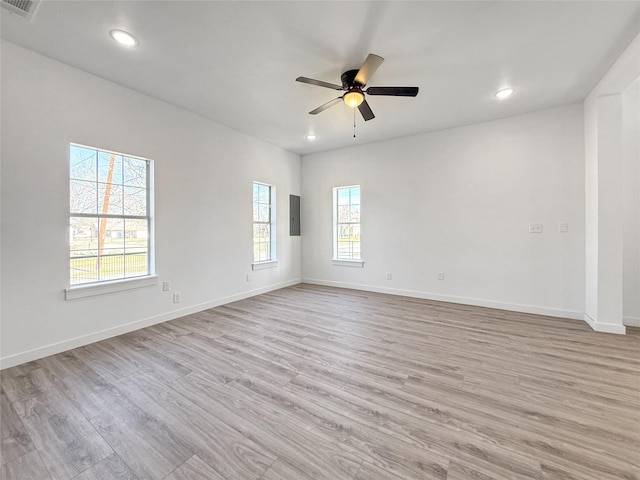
(99, 287)
(271, 260)
(341, 260)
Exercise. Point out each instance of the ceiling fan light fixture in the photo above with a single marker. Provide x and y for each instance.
(504, 93)
(353, 98)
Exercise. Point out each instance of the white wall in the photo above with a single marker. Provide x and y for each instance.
(203, 210)
(460, 201)
(631, 190)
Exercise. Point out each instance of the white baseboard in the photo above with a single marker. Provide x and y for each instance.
(631, 321)
(605, 327)
(54, 348)
(514, 307)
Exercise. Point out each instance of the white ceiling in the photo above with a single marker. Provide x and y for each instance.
(236, 62)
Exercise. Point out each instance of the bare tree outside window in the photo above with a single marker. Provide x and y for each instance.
(109, 216)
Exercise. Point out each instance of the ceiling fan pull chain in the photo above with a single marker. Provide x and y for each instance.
(354, 123)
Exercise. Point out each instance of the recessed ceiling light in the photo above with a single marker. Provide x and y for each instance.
(504, 93)
(311, 138)
(124, 38)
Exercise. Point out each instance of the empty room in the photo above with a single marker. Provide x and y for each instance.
(319, 240)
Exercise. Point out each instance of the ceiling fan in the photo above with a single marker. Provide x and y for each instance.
(353, 83)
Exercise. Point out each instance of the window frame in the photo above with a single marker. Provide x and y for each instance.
(272, 260)
(337, 259)
(109, 285)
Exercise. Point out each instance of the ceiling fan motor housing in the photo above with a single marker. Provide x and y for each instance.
(349, 79)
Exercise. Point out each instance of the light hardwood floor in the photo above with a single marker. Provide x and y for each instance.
(312, 382)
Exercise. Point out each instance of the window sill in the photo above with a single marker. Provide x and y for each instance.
(263, 265)
(83, 291)
(348, 263)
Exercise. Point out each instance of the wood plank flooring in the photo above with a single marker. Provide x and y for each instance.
(311, 383)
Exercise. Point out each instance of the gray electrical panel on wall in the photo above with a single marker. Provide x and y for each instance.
(294, 215)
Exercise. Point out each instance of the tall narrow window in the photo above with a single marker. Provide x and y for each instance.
(346, 223)
(110, 216)
(263, 222)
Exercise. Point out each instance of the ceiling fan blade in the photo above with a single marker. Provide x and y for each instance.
(366, 111)
(319, 83)
(322, 108)
(393, 91)
(368, 68)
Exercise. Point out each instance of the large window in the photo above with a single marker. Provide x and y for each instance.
(346, 223)
(110, 216)
(263, 222)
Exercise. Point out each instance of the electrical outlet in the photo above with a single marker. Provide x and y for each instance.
(389, 276)
(535, 228)
(166, 286)
(176, 298)
(440, 275)
(248, 277)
